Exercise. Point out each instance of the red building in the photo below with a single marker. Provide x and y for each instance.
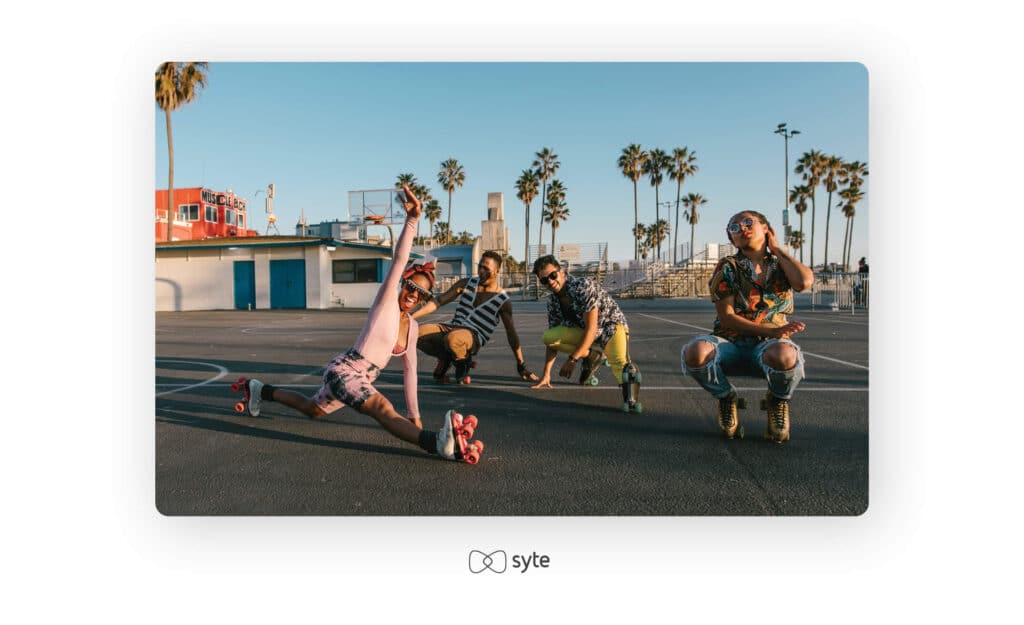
(203, 214)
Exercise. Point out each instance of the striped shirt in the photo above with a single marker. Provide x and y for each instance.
(482, 319)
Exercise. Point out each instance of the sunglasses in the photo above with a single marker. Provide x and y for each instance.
(734, 227)
(551, 276)
(409, 285)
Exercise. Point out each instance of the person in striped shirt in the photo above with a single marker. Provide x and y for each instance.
(481, 304)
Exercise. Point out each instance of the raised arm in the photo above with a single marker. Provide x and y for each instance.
(413, 209)
(799, 275)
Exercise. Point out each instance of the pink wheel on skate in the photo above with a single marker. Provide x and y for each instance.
(240, 407)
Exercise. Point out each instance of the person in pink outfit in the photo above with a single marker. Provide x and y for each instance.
(389, 331)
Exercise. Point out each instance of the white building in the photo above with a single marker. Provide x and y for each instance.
(268, 272)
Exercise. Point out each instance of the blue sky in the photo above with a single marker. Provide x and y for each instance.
(318, 130)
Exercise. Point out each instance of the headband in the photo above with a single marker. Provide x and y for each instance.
(427, 269)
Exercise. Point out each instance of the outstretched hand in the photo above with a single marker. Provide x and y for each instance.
(545, 382)
(412, 204)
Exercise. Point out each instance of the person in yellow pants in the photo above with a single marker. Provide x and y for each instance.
(586, 323)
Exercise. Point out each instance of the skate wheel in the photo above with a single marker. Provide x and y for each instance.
(740, 432)
(471, 457)
(638, 408)
(625, 407)
(478, 446)
(605, 362)
(467, 430)
(240, 407)
(465, 380)
(235, 388)
(470, 421)
(592, 382)
(472, 365)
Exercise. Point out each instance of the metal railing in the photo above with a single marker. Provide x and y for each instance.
(841, 291)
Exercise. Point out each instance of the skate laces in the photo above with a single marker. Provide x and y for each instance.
(779, 413)
(727, 412)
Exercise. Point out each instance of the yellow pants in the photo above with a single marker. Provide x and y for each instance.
(566, 339)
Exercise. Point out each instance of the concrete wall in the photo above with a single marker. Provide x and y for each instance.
(203, 279)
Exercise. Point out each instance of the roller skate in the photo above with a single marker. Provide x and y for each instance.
(589, 366)
(631, 379)
(728, 419)
(453, 439)
(462, 368)
(778, 418)
(250, 389)
(441, 371)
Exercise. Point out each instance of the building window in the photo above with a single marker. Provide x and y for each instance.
(188, 212)
(241, 220)
(211, 214)
(355, 271)
(229, 216)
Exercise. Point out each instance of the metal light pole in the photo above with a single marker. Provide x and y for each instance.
(668, 205)
(786, 134)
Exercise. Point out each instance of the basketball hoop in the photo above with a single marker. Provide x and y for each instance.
(376, 219)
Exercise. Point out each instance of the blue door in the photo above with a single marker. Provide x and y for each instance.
(245, 284)
(288, 284)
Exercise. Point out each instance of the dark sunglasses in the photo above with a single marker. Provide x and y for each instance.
(551, 276)
(734, 227)
(412, 286)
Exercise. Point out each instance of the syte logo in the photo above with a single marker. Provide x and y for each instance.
(497, 561)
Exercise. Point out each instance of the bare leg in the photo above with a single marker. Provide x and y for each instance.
(378, 407)
(298, 402)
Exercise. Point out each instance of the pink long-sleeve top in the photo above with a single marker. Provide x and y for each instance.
(380, 333)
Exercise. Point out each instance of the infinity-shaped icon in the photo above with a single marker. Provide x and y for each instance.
(495, 561)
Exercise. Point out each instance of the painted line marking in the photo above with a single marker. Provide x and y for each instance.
(222, 371)
(836, 360)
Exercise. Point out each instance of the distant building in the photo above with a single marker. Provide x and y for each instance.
(202, 213)
(493, 232)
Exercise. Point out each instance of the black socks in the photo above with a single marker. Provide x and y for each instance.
(267, 392)
(428, 441)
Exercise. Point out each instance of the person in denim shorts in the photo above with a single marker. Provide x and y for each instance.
(753, 293)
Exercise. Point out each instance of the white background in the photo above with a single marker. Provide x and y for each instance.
(82, 538)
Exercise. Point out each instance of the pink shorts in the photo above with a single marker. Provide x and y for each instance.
(348, 380)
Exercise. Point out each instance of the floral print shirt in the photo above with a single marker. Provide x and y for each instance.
(764, 299)
(585, 295)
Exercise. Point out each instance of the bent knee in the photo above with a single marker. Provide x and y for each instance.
(552, 336)
(698, 353)
(780, 356)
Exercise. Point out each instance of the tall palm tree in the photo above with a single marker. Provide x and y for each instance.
(417, 188)
(526, 190)
(557, 212)
(177, 84)
(851, 197)
(852, 176)
(798, 198)
(684, 165)
(833, 171)
(432, 211)
(451, 176)
(556, 194)
(631, 162)
(655, 168)
(811, 165)
(546, 163)
(693, 202)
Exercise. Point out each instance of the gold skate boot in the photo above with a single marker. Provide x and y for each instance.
(728, 417)
(778, 418)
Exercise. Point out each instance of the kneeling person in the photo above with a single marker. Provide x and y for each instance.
(481, 304)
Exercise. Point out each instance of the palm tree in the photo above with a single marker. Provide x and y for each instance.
(796, 240)
(556, 195)
(811, 166)
(852, 176)
(631, 162)
(693, 202)
(452, 175)
(177, 84)
(640, 235)
(851, 197)
(557, 212)
(546, 164)
(655, 168)
(683, 166)
(442, 231)
(659, 231)
(420, 190)
(526, 190)
(798, 198)
(432, 211)
(833, 171)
